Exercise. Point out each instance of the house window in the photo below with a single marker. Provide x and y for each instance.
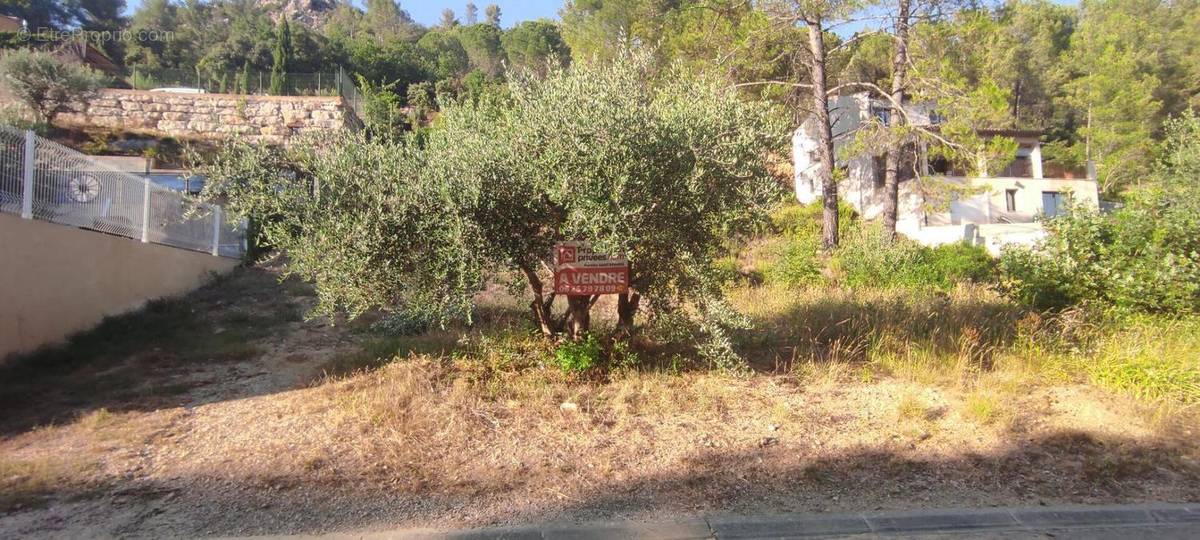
(1019, 167)
(883, 114)
(905, 170)
(940, 165)
(1051, 203)
(1010, 200)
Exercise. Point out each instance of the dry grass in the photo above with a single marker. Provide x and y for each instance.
(72, 457)
(860, 399)
(30, 481)
(970, 337)
(985, 408)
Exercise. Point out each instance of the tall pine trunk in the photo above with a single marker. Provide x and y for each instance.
(820, 105)
(891, 177)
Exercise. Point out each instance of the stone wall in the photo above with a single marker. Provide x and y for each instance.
(207, 116)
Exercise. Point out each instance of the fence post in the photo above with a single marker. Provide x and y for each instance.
(30, 163)
(216, 243)
(146, 209)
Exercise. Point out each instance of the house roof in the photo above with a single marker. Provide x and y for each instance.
(89, 55)
(11, 24)
(1002, 132)
(96, 58)
(1010, 132)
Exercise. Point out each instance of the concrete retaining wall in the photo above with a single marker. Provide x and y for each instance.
(57, 280)
(207, 116)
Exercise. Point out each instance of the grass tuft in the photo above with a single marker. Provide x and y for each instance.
(984, 408)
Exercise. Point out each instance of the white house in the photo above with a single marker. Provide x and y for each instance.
(938, 204)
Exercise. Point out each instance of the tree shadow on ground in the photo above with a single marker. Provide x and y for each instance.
(154, 358)
(1062, 467)
(844, 328)
(142, 360)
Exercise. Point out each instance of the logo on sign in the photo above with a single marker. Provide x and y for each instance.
(580, 271)
(566, 254)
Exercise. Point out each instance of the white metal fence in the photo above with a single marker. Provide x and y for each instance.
(41, 179)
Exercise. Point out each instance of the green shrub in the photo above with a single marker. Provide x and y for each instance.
(962, 262)
(867, 259)
(1145, 257)
(623, 356)
(576, 356)
(404, 323)
(1151, 357)
(807, 219)
(46, 84)
(142, 81)
(726, 269)
(795, 261)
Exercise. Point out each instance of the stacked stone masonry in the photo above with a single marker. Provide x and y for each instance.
(271, 119)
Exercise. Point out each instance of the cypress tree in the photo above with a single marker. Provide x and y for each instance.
(245, 82)
(282, 55)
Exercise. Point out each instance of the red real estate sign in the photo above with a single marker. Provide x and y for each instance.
(580, 271)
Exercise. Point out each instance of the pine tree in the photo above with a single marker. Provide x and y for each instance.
(448, 19)
(472, 13)
(492, 15)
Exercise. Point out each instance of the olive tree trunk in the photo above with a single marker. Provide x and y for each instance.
(627, 306)
(541, 304)
(579, 317)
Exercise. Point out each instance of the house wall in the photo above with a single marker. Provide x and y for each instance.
(59, 280)
(804, 163)
(846, 113)
(924, 212)
(271, 119)
(1029, 195)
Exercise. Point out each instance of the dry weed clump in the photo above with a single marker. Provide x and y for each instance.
(964, 337)
(423, 422)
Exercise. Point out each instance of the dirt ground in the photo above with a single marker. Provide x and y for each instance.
(244, 432)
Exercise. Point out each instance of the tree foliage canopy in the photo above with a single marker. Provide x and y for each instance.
(657, 169)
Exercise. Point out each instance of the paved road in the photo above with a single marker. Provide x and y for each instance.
(1123, 522)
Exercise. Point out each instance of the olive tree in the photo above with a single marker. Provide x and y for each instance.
(358, 219)
(656, 167)
(45, 83)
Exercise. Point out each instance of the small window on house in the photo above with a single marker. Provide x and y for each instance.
(1010, 200)
(939, 165)
(1052, 202)
(883, 114)
(905, 170)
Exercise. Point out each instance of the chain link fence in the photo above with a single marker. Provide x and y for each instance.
(41, 179)
(233, 82)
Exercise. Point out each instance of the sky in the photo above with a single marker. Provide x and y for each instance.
(429, 13)
(512, 12)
